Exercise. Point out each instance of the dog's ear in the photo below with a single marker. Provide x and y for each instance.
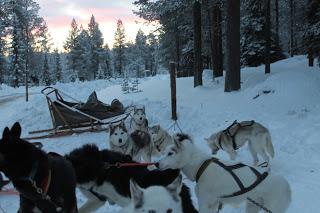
(136, 194)
(135, 109)
(16, 130)
(175, 187)
(6, 134)
(111, 127)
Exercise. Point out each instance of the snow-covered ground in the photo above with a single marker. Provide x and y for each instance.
(291, 111)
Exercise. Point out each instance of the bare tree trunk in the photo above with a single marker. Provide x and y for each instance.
(197, 44)
(267, 36)
(232, 81)
(216, 32)
(177, 45)
(310, 57)
(277, 21)
(291, 27)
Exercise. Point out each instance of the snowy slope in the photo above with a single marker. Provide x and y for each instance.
(291, 111)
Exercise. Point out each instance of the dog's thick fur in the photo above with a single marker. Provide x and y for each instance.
(257, 136)
(139, 120)
(17, 161)
(273, 192)
(137, 144)
(160, 139)
(114, 183)
(166, 201)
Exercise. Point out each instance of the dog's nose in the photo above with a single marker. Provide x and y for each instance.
(157, 165)
(140, 118)
(120, 140)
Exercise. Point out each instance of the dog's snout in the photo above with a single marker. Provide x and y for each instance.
(120, 140)
(140, 118)
(157, 165)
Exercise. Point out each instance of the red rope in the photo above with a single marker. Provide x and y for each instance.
(119, 165)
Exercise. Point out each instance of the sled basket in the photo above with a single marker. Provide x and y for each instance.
(69, 115)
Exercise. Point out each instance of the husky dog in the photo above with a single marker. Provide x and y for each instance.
(166, 201)
(160, 138)
(221, 182)
(46, 182)
(137, 144)
(139, 119)
(236, 135)
(100, 180)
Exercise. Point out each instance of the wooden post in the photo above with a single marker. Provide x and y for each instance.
(173, 72)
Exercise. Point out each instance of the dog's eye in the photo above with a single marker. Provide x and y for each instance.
(122, 133)
(170, 153)
(169, 211)
(151, 211)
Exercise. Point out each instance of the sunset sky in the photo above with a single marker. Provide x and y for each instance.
(59, 13)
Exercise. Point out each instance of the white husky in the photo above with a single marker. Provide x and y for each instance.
(155, 199)
(236, 135)
(137, 144)
(222, 183)
(160, 139)
(139, 120)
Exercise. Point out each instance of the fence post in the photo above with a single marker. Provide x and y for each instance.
(173, 72)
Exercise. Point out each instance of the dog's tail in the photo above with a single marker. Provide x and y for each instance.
(269, 145)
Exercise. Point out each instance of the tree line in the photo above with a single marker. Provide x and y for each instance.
(27, 54)
(232, 34)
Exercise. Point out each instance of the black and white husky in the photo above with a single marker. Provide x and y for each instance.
(101, 182)
(46, 182)
(139, 119)
(136, 144)
(224, 182)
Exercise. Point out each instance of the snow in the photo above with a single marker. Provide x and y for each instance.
(291, 111)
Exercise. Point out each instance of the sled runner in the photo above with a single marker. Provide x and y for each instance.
(74, 116)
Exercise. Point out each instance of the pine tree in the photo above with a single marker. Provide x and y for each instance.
(57, 66)
(46, 79)
(119, 49)
(96, 41)
(153, 49)
(17, 53)
(105, 62)
(69, 46)
(3, 60)
(82, 50)
(312, 32)
(253, 36)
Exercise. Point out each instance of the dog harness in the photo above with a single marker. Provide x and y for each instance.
(40, 193)
(230, 169)
(160, 142)
(232, 131)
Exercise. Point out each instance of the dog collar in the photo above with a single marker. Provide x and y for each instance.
(45, 185)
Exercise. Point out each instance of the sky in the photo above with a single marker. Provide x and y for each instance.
(59, 14)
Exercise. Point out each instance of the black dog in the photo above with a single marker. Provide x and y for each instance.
(100, 179)
(45, 181)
